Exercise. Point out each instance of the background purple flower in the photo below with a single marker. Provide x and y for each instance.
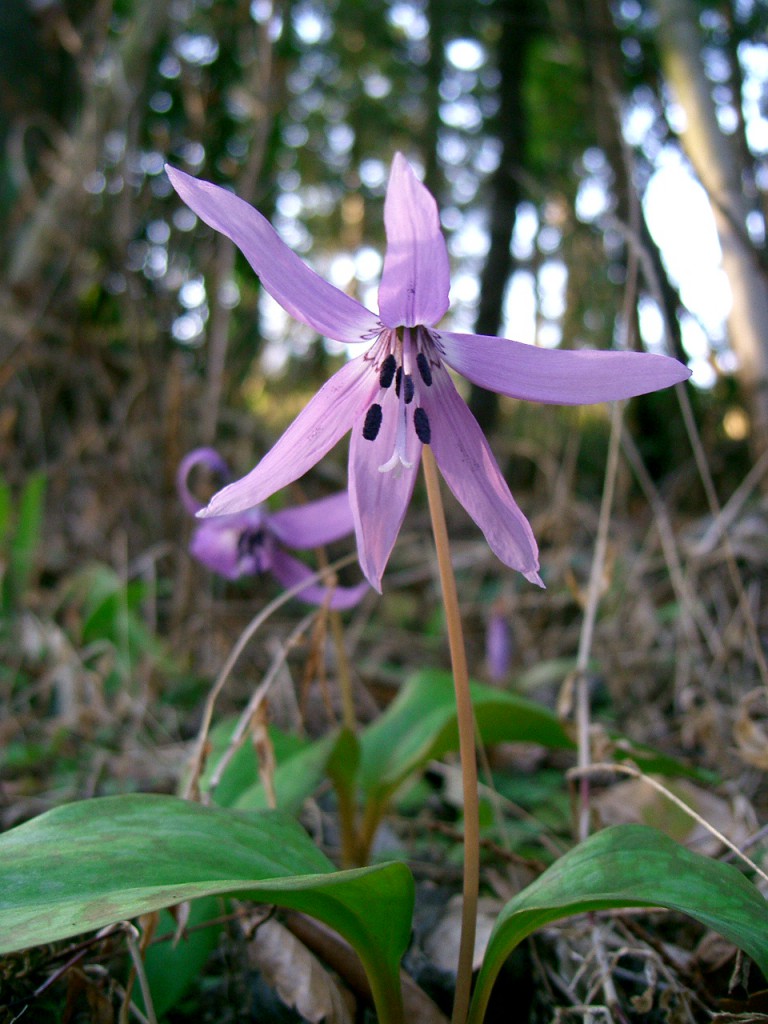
(253, 542)
(498, 645)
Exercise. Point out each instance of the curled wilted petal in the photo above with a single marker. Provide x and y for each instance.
(253, 541)
(207, 457)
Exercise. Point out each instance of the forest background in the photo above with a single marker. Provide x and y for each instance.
(602, 173)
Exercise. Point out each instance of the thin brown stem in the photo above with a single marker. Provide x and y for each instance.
(252, 708)
(351, 856)
(373, 813)
(466, 723)
(192, 788)
(348, 715)
(594, 589)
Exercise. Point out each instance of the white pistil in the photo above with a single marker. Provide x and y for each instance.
(399, 459)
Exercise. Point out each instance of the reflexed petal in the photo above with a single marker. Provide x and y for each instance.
(559, 376)
(289, 571)
(316, 429)
(379, 500)
(199, 457)
(471, 472)
(314, 524)
(416, 278)
(289, 281)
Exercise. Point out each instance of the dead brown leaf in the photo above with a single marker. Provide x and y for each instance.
(636, 801)
(749, 730)
(297, 976)
(442, 944)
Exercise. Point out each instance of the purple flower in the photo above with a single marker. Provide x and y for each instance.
(253, 541)
(399, 395)
(498, 645)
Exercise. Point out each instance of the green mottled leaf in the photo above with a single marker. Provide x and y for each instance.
(420, 724)
(88, 864)
(630, 866)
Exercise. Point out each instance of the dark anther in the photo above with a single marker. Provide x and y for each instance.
(408, 388)
(249, 542)
(398, 380)
(372, 424)
(387, 372)
(424, 369)
(421, 423)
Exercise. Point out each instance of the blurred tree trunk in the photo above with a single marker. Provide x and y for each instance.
(433, 178)
(516, 18)
(262, 84)
(715, 159)
(108, 101)
(602, 52)
(736, 34)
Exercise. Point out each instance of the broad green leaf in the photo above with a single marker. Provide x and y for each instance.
(172, 967)
(89, 864)
(296, 778)
(630, 866)
(301, 767)
(420, 724)
(241, 773)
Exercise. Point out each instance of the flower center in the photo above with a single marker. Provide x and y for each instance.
(407, 358)
(254, 551)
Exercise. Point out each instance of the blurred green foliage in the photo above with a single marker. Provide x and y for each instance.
(21, 524)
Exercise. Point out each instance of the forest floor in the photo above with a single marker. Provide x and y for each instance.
(110, 652)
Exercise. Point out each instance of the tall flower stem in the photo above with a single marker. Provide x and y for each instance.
(348, 716)
(466, 722)
(350, 844)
